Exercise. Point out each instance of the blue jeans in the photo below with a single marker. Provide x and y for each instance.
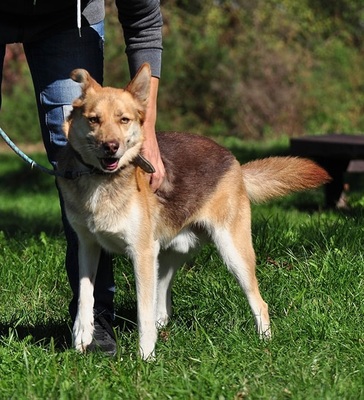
(50, 61)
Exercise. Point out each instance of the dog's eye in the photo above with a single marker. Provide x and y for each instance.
(93, 120)
(124, 120)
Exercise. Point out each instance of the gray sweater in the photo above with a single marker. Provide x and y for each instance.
(29, 20)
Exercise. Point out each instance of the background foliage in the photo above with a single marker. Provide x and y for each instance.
(247, 68)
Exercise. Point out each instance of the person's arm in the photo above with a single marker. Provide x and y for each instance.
(142, 25)
(150, 148)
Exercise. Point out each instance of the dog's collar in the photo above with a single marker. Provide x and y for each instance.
(139, 161)
(144, 164)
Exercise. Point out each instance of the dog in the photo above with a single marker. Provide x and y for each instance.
(205, 197)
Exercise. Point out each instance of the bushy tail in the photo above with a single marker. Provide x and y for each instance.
(276, 176)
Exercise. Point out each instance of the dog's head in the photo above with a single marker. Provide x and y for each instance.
(105, 125)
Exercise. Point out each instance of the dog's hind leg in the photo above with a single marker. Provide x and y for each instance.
(88, 258)
(235, 246)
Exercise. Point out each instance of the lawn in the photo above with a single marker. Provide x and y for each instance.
(311, 272)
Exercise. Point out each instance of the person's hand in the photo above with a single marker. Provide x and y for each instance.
(150, 149)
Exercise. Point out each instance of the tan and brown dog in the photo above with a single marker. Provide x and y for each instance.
(205, 197)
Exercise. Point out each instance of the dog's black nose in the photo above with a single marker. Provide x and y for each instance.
(110, 147)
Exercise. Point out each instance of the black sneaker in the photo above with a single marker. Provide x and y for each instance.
(104, 337)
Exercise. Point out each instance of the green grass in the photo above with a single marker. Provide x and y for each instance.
(310, 269)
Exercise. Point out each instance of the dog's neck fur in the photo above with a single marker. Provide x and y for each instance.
(80, 160)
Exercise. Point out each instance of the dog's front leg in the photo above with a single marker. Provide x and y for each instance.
(88, 259)
(145, 268)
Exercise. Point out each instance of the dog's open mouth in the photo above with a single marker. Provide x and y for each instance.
(110, 163)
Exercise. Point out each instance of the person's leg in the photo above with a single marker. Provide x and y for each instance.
(51, 61)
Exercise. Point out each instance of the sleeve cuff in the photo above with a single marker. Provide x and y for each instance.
(151, 56)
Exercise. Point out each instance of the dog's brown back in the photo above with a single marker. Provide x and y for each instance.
(194, 167)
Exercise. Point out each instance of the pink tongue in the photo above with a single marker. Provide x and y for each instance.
(110, 163)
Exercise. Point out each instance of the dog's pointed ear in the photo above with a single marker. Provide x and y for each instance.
(87, 82)
(139, 87)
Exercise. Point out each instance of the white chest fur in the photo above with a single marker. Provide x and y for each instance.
(110, 215)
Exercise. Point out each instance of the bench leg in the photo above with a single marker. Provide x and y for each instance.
(333, 190)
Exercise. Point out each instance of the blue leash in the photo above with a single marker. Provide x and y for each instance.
(24, 156)
(63, 174)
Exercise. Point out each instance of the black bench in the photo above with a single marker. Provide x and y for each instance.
(337, 153)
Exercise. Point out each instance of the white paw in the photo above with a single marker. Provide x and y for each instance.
(147, 343)
(162, 320)
(264, 332)
(82, 335)
(147, 357)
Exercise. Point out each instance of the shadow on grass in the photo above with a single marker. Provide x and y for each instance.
(16, 176)
(21, 226)
(59, 335)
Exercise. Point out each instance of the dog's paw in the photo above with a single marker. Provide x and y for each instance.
(265, 332)
(82, 335)
(147, 357)
(162, 320)
(147, 341)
